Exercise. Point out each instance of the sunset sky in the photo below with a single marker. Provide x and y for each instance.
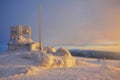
(65, 22)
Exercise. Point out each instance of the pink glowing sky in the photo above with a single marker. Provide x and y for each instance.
(83, 22)
(75, 22)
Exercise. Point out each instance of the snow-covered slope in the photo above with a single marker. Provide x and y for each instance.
(26, 66)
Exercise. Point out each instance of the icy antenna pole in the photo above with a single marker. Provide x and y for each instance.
(40, 27)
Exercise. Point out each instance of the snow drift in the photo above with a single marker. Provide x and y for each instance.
(15, 63)
(53, 64)
(60, 58)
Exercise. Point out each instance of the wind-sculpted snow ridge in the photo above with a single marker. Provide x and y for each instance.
(46, 61)
(43, 59)
(60, 58)
(29, 62)
(53, 65)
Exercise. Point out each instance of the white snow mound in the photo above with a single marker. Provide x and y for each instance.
(49, 49)
(21, 63)
(61, 58)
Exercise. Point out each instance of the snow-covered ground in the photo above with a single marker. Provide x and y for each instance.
(14, 66)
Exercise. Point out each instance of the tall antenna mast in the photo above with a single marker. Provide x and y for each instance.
(40, 27)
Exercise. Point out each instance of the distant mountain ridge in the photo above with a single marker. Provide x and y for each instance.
(95, 54)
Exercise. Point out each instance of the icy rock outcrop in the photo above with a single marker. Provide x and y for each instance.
(63, 52)
(45, 60)
(61, 58)
(49, 49)
(34, 46)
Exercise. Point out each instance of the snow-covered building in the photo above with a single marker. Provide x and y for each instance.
(20, 38)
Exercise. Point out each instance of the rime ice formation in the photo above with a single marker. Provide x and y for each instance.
(20, 39)
(61, 58)
(31, 59)
(35, 65)
(49, 49)
(63, 52)
(29, 62)
(48, 57)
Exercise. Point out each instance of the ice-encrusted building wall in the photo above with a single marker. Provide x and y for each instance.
(20, 38)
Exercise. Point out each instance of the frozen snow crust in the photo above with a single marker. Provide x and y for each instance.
(60, 58)
(55, 64)
(29, 62)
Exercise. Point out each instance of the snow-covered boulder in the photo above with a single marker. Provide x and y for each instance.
(63, 52)
(61, 58)
(34, 46)
(49, 49)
